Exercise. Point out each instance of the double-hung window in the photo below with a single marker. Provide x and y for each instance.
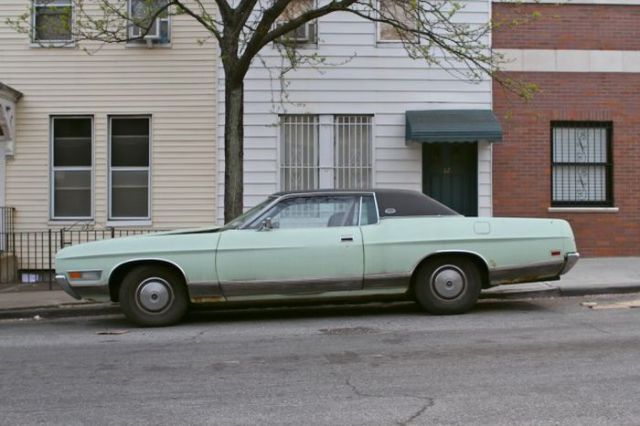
(71, 172)
(150, 23)
(129, 167)
(581, 163)
(395, 15)
(306, 33)
(52, 21)
(325, 151)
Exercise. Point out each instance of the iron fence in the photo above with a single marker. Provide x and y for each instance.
(29, 257)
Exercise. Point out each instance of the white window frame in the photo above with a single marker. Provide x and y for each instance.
(150, 39)
(53, 169)
(379, 38)
(35, 5)
(311, 29)
(325, 150)
(111, 169)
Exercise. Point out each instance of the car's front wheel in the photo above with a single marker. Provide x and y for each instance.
(153, 296)
(447, 285)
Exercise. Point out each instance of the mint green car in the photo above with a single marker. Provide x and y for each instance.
(321, 246)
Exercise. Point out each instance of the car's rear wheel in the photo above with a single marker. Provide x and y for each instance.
(447, 285)
(153, 296)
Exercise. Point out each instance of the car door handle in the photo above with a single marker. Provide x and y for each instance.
(346, 238)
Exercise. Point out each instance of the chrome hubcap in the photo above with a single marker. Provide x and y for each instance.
(448, 281)
(154, 294)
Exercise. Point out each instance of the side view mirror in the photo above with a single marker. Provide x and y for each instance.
(266, 225)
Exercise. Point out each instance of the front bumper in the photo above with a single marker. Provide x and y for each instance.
(570, 260)
(95, 292)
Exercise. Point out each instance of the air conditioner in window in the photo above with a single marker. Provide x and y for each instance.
(136, 31)
(303, 34)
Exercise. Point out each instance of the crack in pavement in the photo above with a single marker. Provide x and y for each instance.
(427, 402)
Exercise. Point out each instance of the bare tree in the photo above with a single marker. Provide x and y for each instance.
(429, 30)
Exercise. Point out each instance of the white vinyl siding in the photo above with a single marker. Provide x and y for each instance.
(129, 168)
(358, 76)
(72, 168)
(176, 86)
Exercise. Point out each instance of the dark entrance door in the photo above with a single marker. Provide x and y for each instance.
(450, 175)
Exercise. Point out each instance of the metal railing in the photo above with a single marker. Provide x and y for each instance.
(29, 256)
(6, 224)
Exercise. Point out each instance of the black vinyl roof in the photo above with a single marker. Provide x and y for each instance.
(391, 202)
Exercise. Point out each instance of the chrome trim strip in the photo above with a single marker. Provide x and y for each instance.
(570, 261)
(289, 287)
(375, 202)
(149, 259)
(307, 194)
(98, 293)
(453, 251)
(61, 280)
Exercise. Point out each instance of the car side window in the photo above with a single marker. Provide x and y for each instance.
(312, 212)
(368, 215)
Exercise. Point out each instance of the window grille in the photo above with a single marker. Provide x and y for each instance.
(582, 166)
(353, 167)
(299, 168)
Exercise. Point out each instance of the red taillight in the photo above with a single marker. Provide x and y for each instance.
(556, 252)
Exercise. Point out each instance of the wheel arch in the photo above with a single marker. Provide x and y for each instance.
(122, 269)
(476, 258)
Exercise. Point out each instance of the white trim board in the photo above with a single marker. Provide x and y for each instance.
(548, 60)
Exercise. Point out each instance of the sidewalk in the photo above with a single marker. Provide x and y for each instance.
(603, 275)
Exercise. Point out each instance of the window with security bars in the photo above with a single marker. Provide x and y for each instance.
(345, 155)
(352, 151)
(299, 165)
(582, 165)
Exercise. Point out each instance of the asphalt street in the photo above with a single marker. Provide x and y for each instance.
(531, 362)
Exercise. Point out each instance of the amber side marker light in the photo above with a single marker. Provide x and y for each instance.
(85, 275)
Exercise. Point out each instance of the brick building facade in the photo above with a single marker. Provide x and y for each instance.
(573, 151)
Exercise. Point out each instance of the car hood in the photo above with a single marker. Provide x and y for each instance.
(147, 244)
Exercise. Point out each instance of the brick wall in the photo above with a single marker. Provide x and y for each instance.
(522, 163)
(549, 26)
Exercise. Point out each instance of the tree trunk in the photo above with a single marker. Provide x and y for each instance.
(233, 150)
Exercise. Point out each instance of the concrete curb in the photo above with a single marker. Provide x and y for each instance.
(553, 291)
(60, 311)
(589, 291)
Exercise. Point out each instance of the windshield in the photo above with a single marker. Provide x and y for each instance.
(248, 215)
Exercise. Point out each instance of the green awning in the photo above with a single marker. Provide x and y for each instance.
(468, 125)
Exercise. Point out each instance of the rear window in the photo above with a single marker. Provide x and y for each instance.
(410, 203)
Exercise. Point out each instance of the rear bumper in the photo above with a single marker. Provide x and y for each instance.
(570, 260)
(95, 292)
